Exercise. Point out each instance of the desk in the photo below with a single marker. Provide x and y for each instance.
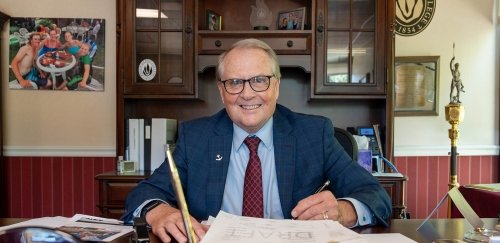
(449, 228)
(455, 228)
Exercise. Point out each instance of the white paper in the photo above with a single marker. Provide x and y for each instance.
(232, 228)
(93, 219)
(387, 237)
(106, 232)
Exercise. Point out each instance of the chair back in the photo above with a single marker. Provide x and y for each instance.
(347, 141)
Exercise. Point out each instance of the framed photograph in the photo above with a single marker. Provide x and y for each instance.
(70, 54)
(214, 20)
(292, 20)
(416, 86)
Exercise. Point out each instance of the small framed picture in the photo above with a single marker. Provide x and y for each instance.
(214, 20)
(292, 20)
(416, 86)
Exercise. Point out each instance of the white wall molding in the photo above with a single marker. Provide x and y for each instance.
(468, 150)
(51, 151)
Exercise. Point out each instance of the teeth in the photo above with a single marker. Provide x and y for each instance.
(250, 107)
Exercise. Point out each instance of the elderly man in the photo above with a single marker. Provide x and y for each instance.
(285, 156)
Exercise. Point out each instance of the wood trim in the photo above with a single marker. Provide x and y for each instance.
(3, 183)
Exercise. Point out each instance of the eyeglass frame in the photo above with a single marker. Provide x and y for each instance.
(249, 83)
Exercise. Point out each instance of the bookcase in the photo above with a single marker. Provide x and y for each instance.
(339, 66)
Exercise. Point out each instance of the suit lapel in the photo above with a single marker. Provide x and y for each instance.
(219, 153)
(284, 152)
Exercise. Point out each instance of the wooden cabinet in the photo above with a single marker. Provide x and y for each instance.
(350, 41)
(159, 56)
(113, 190)
(395, 187)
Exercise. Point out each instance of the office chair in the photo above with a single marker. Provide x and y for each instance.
(347, 141)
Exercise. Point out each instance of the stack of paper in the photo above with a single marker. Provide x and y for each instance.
(103, 229)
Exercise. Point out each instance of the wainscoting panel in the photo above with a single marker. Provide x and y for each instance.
(63, 186)
(53, 186)
(428, 178)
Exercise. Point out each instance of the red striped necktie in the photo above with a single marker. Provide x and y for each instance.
(253, 202)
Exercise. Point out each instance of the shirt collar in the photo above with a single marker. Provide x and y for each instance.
(265, 134)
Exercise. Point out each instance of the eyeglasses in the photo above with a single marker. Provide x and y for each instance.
(257, 83)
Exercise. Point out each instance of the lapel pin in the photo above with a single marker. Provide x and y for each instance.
(218, 157)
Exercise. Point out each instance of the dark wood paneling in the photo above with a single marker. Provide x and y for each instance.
(3, 182)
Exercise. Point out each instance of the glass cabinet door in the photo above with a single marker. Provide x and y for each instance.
(161, 42)
(350, 47)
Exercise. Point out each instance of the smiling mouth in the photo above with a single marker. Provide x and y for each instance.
(250, 107)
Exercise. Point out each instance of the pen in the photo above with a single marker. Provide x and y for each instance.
(327, 182)
(321, 188)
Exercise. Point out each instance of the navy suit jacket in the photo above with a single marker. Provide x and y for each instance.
(306, 155)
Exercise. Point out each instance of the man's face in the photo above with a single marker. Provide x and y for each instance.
(35, 40)
(249, 110)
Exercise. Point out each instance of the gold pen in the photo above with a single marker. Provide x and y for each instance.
(321, 188)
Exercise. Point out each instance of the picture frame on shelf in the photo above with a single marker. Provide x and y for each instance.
(292, 19)
(214, 21)
(416, 86)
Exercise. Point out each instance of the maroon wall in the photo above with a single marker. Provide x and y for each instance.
(63, 186)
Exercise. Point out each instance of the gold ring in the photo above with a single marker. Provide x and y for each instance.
(325, 215)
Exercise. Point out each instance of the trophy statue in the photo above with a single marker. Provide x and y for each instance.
(261, 17)
(454, 113)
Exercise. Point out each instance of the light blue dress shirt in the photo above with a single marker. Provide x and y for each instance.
(232, 201)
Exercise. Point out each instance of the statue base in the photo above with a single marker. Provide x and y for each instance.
(454, 113)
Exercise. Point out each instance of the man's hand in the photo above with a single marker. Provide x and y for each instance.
(324, 205)
(166, 222)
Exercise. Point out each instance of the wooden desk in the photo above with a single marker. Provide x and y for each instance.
(453, 228)
(449, 228)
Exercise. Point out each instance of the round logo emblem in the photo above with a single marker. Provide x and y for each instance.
(147, 69)
(413, 16)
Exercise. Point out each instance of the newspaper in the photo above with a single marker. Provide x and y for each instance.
(232, 228)
(102, 230)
